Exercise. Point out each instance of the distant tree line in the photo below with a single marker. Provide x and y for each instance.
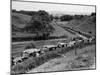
(66, 18)
(93, 17)
(25, 12)
(51, 17)
(71, 17)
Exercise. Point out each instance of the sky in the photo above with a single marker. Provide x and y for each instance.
(53, 8)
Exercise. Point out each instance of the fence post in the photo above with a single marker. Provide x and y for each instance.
(75, 51)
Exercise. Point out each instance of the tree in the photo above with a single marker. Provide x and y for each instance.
(90, 32)
(93, 14)
(51, 17)
(13, 10)
(45, 16)
(93, 17)
(40, 23)
(29, 46)
(78, 16)
(66, 18)
(56, 18)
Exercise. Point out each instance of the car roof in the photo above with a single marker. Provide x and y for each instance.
(49, 46)
(31, 50)
(61, 43)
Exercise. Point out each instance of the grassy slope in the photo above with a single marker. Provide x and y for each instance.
(20, 20)
(70, 61)
(59, 31)
(84, 25)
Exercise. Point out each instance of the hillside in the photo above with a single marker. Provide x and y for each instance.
(59, 31)
(19, 21)
(85, 24)
(26, 25)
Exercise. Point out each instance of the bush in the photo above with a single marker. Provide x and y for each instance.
(28, 46)
(18, 68)
(78, 17)
(66, 18)
(39, 22)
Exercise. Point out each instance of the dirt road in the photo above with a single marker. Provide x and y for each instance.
(72, 31)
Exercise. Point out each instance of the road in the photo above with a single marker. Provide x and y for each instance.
(72, 31)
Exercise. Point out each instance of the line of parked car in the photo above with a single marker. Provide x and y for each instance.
(46, 48)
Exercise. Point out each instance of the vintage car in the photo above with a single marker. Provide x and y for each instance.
(71, 43)
(30, 52)
(17, 60)
(60, 45)
(49, 47)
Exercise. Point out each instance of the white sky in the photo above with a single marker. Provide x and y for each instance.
(58, 8)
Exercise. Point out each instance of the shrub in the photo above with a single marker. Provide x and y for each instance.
(66, 18)
(30, 45)
(18, 68)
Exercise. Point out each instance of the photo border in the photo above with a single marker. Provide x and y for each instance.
(59, 4)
